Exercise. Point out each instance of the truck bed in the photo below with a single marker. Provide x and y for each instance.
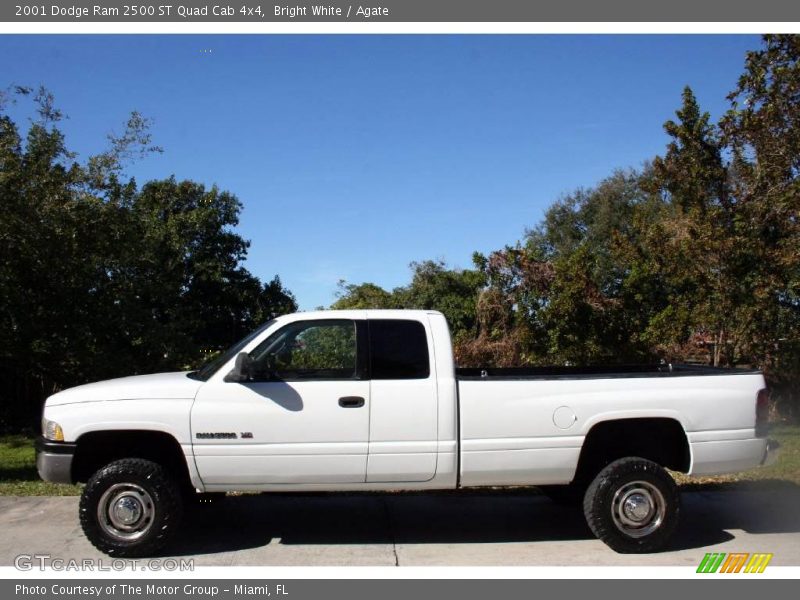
(529, 424)
(595, 372)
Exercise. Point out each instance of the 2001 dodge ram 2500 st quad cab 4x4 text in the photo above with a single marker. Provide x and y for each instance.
(372, 400)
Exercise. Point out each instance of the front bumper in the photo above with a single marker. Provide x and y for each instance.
(54, 460)
(771, 452)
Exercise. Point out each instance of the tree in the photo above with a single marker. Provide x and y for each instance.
(696, 234)
(101, 278)
(578, 319)
(363, 296)
(762, 130)
(591, 218)
(433, 287)
(453, 292)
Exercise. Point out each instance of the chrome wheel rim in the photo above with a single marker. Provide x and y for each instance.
(126, 511)
(638, 509)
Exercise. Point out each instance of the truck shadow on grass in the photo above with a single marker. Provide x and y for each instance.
(16, 473)
(480, 516)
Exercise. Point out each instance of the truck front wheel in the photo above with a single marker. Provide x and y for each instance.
(632, 505)
(130, 507)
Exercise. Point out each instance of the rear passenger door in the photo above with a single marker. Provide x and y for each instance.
(403, 402)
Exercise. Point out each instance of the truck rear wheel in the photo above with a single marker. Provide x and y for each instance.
(130, 507)
(632, 505)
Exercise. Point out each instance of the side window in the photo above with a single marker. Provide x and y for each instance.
(308, 350)
(398, 349)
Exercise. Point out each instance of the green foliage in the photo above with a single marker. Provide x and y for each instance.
(762, 131)
(590, 219)
(578, 319)
(363, 296)
(562, 297)
(433, 287)
(692, 242)
(101, 278)
(451, 291)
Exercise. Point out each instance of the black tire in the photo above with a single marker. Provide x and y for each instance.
(645, 485)
(145, 489)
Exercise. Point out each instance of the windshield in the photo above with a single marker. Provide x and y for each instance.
(212, 366)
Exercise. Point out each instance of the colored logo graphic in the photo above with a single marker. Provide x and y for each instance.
(735, 562)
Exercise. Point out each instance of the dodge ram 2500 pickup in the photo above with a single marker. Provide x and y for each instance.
(372, 400)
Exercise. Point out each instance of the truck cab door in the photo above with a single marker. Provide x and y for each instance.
(301, 418)
(403, 402)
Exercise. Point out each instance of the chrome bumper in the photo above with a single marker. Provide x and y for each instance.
(771, 451)
(54, 460)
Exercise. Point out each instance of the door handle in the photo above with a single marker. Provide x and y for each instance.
(351, 401)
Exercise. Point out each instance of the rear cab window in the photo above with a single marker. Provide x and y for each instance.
(398, 349)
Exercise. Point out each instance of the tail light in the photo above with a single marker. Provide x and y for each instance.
(762, 411)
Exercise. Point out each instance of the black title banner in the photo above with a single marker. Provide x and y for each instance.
(402, 11)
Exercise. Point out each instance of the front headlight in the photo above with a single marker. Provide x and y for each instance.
(52, 430)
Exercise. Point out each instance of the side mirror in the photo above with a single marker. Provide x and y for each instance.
(242, 369)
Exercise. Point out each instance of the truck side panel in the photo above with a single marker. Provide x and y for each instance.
(531, 431)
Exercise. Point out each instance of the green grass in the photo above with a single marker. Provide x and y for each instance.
(18, 475)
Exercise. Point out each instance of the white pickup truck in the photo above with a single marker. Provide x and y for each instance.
(372, 400)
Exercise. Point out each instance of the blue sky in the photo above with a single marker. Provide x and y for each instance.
(355, 155)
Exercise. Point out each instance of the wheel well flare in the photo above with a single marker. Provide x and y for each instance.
(98, 448)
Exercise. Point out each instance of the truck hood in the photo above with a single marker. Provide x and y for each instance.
(152, 387)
